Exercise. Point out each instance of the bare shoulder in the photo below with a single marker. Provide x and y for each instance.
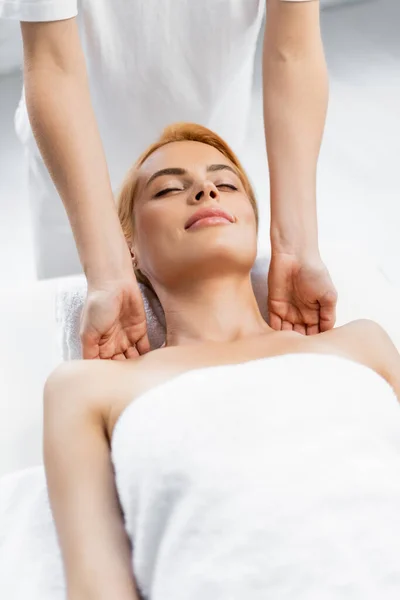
(368, 343)
(103, 388)
(360, 335)
(83, 377)
(90, 387)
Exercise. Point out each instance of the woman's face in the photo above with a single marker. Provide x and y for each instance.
(193, 218)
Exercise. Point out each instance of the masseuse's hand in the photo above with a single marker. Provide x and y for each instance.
(301, 296)
(113, 322)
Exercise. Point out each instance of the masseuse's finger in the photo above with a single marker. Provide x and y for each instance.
(131, 352)
(90, 346)
(142, 345)
(286, 326)
(275, 322)
(300, 328)
(119, 357)
(312, 329)
(327, 311)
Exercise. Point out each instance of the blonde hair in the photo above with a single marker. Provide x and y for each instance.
(178, 132)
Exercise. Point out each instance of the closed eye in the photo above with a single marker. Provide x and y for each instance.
(227, 185)
(166, 191)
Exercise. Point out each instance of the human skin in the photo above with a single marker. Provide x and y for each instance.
(202, 278)
(302, 295)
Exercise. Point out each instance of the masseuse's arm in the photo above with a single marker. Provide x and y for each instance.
(95, 548)
(295, 92)
(65, 128)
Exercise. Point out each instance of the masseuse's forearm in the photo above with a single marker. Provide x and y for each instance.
(295, 103)
(65, 128)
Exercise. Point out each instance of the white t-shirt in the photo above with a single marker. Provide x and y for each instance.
(152, 63)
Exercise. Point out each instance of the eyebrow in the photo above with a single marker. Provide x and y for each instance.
(179, 171)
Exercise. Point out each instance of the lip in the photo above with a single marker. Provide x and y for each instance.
(208, 213)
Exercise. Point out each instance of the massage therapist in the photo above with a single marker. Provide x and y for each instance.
(101, 80)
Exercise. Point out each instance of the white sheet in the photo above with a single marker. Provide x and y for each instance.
(29, 351)
(30, 564)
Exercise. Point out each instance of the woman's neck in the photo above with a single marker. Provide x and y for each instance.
(213, 310)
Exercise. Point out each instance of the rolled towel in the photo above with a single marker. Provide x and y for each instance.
(71, 295)
(364, 293)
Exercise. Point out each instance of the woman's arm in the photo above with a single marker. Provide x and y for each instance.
(295, 91)
(65, 128)
(95, 547)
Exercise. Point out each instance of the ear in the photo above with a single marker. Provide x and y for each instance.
(133, 255)
(129, 243)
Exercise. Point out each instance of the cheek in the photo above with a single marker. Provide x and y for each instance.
(245, 212)
(148, 220)
(156, 226)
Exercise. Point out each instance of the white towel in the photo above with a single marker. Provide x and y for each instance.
(71, 296)
(235, 484)
(277, 478)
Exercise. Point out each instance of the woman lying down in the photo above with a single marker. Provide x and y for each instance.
(235, 462)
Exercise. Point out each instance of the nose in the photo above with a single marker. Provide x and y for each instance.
(208, 191)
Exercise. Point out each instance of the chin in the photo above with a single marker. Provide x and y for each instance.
(239, 247)
(225, 258)
(203, 255)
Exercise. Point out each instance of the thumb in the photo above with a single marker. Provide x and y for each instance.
(327, 311)
(143, 344)
(90, 345)
(275, 321)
